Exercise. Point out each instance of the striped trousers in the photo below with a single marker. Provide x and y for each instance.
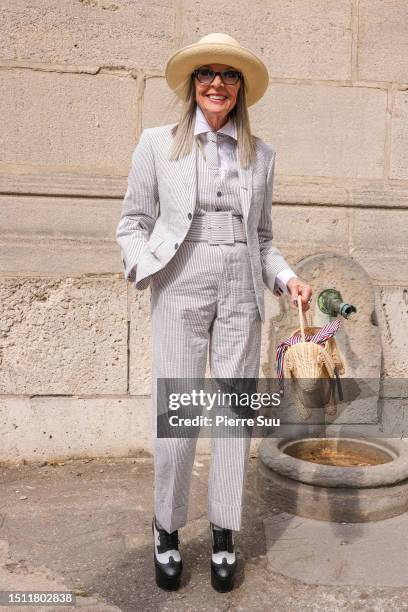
(203, 300)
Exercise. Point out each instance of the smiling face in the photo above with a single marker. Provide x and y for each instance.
(216, 100)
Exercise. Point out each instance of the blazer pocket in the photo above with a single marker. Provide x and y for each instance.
(154, 242)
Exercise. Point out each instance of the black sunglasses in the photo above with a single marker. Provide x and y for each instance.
(206, 76)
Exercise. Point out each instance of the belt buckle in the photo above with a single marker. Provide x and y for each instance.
(220, 227)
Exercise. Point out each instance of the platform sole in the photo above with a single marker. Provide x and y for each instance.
(222, 585)
(168, 583)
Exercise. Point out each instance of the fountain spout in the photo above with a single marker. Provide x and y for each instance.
(331, 303)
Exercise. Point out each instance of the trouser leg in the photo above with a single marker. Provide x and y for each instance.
(234, 353)
(181, 317)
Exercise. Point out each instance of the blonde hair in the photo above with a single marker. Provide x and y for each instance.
(183, 132)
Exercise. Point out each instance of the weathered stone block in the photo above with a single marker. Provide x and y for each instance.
(59, 235)
(160, 104)
(73, 122)
(383, 267)
(63, 336)
(69, 218)
(50, 428)
(315, 226)
(295, 38)
(140, 353)
(399, 136)
(303, 231)
(382, 40)
(381, 230)
(58, 256)
(323, 130)
(377, 195)
(67, 184)
(379, 244)
(104, 32)
(392, 312)
(295, 190)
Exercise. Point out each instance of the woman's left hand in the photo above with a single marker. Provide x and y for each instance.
(297, 287)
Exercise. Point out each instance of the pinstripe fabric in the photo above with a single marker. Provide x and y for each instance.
(159, 204)
(221, 314)
(217, 192)
(202, 296)
(217, 226)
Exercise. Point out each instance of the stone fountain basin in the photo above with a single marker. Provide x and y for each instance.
(272, 454)
(333, 493)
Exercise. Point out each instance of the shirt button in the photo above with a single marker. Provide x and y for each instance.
(176, 245)
(190, 216)
(219, 194)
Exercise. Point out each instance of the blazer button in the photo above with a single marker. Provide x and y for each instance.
(219, 194)
(190, 216)
(176, 245)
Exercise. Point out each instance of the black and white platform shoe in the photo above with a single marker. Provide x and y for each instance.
(167, 559)
(223, 559)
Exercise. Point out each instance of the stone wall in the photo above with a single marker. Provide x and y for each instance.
(79, 79)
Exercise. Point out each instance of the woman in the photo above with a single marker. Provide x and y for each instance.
(196, 227)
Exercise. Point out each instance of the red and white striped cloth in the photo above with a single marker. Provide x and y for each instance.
(320, 337)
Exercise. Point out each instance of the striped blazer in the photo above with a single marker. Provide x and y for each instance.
(159, 205)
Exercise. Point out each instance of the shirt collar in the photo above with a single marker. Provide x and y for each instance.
(201, 125)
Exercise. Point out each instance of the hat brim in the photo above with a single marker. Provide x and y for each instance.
(181, 65)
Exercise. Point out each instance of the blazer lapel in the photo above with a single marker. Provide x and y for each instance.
(186, 191)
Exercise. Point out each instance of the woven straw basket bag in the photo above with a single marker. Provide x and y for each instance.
(313, 367)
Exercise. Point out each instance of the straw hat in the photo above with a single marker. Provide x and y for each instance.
(217, 48)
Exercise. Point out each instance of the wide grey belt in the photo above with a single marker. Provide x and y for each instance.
(217, 227)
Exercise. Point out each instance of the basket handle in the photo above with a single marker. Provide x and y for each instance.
(302, 319)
